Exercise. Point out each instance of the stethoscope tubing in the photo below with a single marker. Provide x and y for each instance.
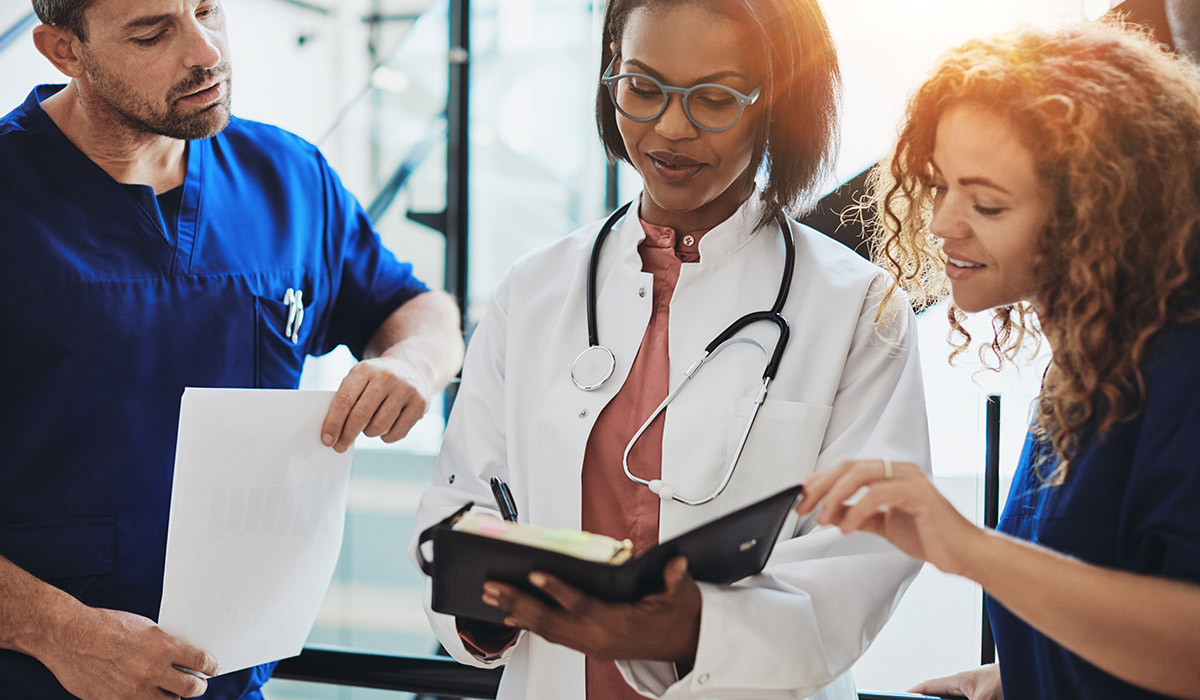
(656, 485)
(593, 272)
(724, 339)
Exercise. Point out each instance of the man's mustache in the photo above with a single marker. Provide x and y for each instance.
(200, 77)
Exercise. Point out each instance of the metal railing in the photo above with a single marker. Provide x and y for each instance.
(434, 675)
(10, 35)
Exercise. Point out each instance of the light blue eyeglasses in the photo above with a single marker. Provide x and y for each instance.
(710, 106)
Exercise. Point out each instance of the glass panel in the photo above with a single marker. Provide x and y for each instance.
(537, 167)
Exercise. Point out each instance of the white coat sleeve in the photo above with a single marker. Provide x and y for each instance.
(823, 597)
(473, 451)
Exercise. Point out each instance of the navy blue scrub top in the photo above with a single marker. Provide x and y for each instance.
(1131, 502)
(106, 314)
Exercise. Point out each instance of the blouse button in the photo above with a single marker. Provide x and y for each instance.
(642, 292)
(583, 413)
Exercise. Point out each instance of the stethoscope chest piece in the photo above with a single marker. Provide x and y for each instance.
(593, 367)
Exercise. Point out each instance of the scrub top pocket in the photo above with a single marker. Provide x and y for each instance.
(78, 556)
(278, 361)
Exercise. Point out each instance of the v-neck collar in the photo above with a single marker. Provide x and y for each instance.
(173, 256)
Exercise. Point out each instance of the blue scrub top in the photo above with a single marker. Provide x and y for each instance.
(1131, 502)
(106, 314)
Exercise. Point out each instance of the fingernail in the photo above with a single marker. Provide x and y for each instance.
(537, 579)
(491, 589)
(340, 449)
(491, 600)
(327, 439)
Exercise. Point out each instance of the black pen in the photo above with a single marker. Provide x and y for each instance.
(504, 499)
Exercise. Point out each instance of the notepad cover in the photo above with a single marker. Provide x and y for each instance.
(724, 550)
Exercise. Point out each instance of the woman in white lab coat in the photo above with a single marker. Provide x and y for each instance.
(701, 246)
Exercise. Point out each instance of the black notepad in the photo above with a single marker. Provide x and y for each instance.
(724, 550)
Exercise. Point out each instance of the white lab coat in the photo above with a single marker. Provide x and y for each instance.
(845, 389)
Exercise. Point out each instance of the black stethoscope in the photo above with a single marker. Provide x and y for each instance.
(595, 365)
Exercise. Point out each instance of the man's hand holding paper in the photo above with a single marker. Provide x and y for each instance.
(257, 512)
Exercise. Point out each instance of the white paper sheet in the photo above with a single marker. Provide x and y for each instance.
(257, 512)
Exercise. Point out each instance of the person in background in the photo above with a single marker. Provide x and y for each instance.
(1054, 179)
(700, 97)
(150, 242)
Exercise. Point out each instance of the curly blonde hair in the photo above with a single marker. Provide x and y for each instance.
(1113, 122)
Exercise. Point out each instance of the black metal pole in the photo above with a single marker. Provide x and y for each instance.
(612, 194)
(991, 507)
(458, 160)
(458, 119)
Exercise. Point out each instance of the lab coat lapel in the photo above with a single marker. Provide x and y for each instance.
(622, 316)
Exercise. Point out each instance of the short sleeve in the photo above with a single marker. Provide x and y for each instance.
(369, 282)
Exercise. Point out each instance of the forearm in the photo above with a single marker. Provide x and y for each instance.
(1142, 629)
(793, 629)
(30, 610)
(425, 332)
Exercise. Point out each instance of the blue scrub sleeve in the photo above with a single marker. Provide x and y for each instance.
(370, 282)
(1161, 517)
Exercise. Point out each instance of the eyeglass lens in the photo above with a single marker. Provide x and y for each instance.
(710, 106)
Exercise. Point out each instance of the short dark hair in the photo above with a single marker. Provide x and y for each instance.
(803, 89)
(67, 14)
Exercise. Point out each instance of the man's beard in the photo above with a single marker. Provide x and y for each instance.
(139, 115)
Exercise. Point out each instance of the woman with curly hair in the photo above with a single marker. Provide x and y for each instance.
(1053, 178)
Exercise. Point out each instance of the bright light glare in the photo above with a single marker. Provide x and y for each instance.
(884, 58)
(390, 80)
(1094, 8)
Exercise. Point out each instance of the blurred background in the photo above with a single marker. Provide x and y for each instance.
(370, 81)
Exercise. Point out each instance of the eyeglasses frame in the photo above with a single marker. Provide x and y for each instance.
(610, 81)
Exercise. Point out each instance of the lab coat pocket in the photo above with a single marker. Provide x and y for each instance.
(781, 451)
(278, 360)
(78, 556)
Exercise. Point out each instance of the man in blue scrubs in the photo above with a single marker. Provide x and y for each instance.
(149, 242)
